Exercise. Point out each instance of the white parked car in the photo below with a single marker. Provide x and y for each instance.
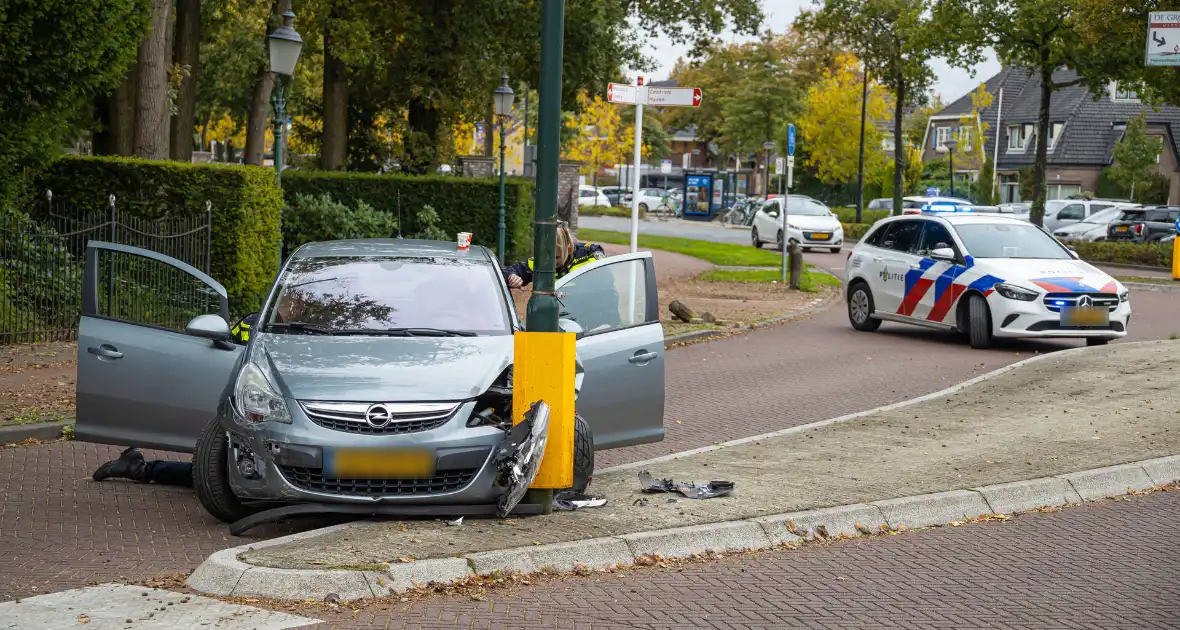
(591, 196)
(984, 275)
(809, 223)
(651, 198)
(1093, 228)
(1062, 212)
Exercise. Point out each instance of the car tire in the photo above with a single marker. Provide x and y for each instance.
(834, 250)
(979, 322)
(860, 308)
(583, 454)
(754, 239)
(643, 208)
(210, 463)
(1097, 341)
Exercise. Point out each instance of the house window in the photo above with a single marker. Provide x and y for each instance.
(1017, 137)
(964, 139)
(941, 135)
(1061, 191)
(1123, 93)
(887, 143)
(1054, 133)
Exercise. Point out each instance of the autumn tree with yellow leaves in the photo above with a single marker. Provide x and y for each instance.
(598, 136)
(831, 124)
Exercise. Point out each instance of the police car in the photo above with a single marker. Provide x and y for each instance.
(984, 275)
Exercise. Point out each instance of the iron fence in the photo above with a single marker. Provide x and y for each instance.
(42, 258)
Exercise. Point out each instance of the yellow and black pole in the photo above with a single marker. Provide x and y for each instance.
(544, 356)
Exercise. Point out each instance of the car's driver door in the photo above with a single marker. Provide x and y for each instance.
(616, 302)
(142, 381)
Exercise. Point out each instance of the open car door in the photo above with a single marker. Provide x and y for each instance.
(616, 302)
(142, 381)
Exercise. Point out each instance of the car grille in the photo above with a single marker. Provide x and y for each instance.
(402, 417)
(1055, 325)
(1056, 301)
(313, 479)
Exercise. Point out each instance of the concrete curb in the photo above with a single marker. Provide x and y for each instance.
(223, 574)
(1126, 266)
(1158, 288)
(22, 432)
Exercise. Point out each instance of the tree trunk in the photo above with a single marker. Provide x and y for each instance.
(102, 139)
(186, 52)
(260, 101)
(123, 114)
(334, 141)
(489, 139)
(899, 152)
(421, 141)
(151, 98)
(1037, 213)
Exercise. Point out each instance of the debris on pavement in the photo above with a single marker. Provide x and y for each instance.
(518, 458)
(710, 490)
(641, 502)
(568, 500)
(455, 523)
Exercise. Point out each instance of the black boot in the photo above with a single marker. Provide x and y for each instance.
(130, 465)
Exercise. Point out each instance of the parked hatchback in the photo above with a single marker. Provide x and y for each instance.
(1144, 225)
(379, 372)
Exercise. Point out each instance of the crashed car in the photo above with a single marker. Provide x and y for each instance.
(379, 372)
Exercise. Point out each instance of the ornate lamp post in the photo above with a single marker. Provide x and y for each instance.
(502, 98)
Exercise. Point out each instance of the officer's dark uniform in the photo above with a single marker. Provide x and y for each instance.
(131, 464)
(584, 254)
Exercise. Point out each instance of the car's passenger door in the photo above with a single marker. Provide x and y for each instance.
(767, 225)
(897, 266)
(616, 302)
(935, 292)
(142, 381)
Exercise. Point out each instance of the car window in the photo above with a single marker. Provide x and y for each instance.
(131, 290)
(1095, 207)
(585, 194)
(935, 236)
(1072, 212)
(1103, 217)
(1161, 215)
(1006, 240)
(379, 293)
(599, 299)
(903, 236)
(806, 207)
(1130, 215)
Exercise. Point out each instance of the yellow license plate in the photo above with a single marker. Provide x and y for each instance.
(1085, 316)
(372, 463)
(820, 236)
(1120, 228)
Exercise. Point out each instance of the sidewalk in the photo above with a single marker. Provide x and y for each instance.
(1062, 413)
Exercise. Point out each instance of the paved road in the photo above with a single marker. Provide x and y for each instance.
(59, 530)
(1113, 564)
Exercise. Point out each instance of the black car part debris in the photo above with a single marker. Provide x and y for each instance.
(518, 458)
(689, 490)
(568, 500)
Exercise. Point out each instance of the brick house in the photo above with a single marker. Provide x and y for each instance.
(1083, 132)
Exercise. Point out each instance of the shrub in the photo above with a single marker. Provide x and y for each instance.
(848, 215)
(462, 205)
(1150, 254)
(854, 231)
(1154, 190)
(319, 218)
(246, 206)
(34, 291)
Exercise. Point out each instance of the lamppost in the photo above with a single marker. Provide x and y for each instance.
(768, 145)
(284, 46)
(502, 98)
(950, 147)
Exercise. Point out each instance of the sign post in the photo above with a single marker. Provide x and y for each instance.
(1163, 39)
(640, 95)
(787, 196)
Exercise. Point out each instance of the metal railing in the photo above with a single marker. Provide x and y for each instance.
(42, 256)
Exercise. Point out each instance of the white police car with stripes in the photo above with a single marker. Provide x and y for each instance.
(983, 275)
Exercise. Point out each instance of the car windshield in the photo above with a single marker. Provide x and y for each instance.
(1102, 217)
(1006, 240)
(333, 294)
(806, 207)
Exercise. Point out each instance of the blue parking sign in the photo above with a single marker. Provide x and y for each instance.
(791, 139)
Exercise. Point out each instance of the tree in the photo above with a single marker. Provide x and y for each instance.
(970, 154)
(895, 39)
(151, 88)
(767, 97)
(186, 55)
(831, 122)
(49, 76)
(1114, 32)
(600, 136)
(919, 120)
(1135, 155)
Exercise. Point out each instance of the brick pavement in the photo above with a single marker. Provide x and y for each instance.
(1112, 564)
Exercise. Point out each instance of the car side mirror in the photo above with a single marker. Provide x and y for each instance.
(1073, 252)
(943, 253)
(773, 214)
(208, 327)
(570, 326)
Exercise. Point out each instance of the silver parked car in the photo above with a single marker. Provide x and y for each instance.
(379, 373)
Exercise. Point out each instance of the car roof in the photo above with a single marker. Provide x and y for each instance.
(392, 247)
(961, 218)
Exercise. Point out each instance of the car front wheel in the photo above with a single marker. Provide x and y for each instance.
(860, 308)
(210, 476)
(583, 454)
(979, 322)
(754, 239)
(834, 250)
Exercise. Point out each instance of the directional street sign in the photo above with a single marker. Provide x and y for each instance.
(621, 93)
(780, 165)
(790, 139)
(673, 97)
(1163, 38)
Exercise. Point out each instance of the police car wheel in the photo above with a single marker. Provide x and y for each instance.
(754, 239)
(860, 308)
(583, 454)
(979, 322)
(210, 476)
(834, 250)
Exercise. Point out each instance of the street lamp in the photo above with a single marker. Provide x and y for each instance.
(768, 145)
(284, 45)
(502, 98)
(950, 147)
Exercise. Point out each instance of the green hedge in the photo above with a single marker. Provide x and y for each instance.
(1150, 254)
(848, 215)
(854, 231)
(246, 206)
(463, 205)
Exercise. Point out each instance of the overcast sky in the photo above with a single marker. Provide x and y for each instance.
(950, 84)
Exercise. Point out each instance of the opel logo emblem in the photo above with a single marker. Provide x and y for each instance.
(1086, 301)
(377, 416)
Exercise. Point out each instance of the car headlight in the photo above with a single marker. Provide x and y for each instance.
(257, 399)
(1124, 296)
(1013, 292)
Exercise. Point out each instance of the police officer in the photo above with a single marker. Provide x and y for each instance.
(571, 254)
(131, 464)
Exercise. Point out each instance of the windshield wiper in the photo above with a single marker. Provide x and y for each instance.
(301, 327)
(409, 332)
